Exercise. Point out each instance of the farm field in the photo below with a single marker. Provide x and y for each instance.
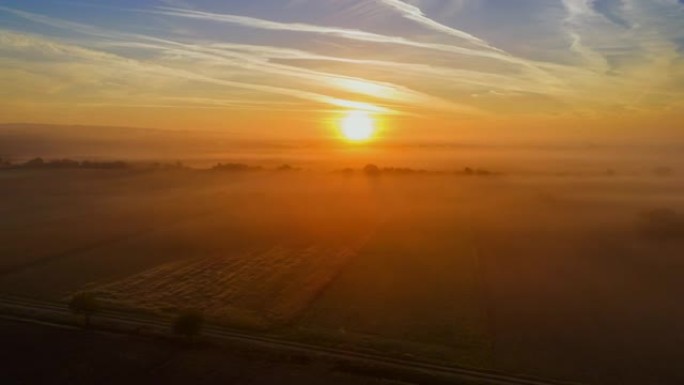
(418, 191)
(542, 275)
(260, 288)
(43, 354)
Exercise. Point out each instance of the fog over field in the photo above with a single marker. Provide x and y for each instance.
(349, 191)
(203, 149)
(561, 263)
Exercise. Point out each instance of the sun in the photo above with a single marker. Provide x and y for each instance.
(358, 126)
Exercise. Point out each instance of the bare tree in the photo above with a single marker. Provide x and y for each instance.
(85, 304)
(372, 170)
(188, 324)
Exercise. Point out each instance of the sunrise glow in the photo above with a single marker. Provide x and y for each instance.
(358, 126)
(359, 191)
(451, 69)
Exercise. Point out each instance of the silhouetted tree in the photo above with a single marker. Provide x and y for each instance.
(372, 170)
(85, 304)
(188, 324)
(104, 165)
(62, 163)
(235, 167)
(35, 162)
(401, 170)
(346, 171)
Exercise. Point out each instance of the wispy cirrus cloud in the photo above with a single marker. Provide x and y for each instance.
(414, 13)
(350, 34)
(97, 67)
(415, 57)
(211, 55)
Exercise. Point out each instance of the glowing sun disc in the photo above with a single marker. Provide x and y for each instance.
(358, 126)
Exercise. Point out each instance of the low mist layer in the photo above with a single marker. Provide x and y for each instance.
(572, 277)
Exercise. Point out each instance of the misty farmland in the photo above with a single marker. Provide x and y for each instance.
(547, 275)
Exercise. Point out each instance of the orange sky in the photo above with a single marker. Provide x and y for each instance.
(424, 69)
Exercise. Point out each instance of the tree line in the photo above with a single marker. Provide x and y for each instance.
(374, 170)
(40, 163)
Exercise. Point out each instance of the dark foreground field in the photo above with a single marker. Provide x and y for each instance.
(567, 277)
(36, 354)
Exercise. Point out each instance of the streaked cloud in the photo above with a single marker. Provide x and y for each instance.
(458, 58)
